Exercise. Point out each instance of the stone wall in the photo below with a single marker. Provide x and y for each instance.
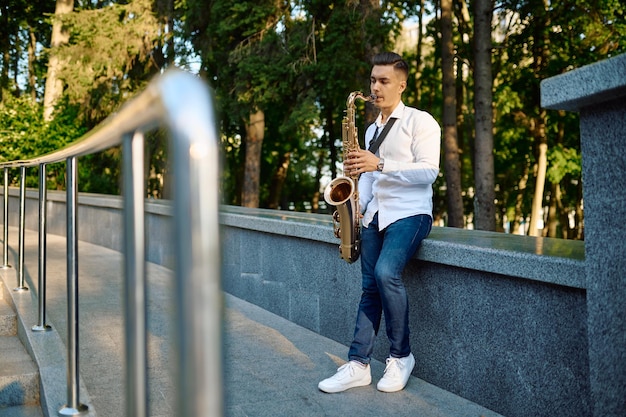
(515, 342)
(598, 93)
(497, 319)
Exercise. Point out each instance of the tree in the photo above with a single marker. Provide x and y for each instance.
(240, 31)
(296, 62)
(527, 57)
(255, 131)
(452, 162)
(484, 200)
(110, 55)
(354, 31)
(540, 58)
(111, 52)
(8, 29)
(21, 23)
(60, 36)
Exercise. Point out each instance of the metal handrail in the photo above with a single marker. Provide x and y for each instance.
(183, 104)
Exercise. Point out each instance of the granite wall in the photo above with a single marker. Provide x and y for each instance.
(598, 93)
(498, 319)
(514, 342)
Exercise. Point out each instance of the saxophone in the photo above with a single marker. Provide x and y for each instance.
(343, 193)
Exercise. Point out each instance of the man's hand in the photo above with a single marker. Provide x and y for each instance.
(360, 161)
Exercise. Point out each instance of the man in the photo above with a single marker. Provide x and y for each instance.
(395, 190)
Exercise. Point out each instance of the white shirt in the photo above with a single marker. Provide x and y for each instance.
(411, 153)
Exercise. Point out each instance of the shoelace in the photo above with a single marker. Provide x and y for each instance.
(348, 367)
(393, 366)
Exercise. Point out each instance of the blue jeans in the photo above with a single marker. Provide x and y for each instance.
(384, 254)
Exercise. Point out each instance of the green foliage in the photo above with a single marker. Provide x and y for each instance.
(537, 44)
(24, 135)
(20, 125)
(297, 61)
(563, 161)
(101, 172)
(108, 57)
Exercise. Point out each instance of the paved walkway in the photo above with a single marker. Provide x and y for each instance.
(272, 366)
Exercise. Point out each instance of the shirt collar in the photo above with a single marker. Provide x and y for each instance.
(396, 113)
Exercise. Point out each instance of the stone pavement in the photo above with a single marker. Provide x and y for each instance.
(272, 366)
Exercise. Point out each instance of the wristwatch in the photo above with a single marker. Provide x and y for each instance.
(381, 164)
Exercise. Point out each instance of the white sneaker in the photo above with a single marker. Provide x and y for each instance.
(350, 375)
(397, 373)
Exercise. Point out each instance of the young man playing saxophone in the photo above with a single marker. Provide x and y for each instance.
(395, 190)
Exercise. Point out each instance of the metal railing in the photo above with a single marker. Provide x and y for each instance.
(183, 104)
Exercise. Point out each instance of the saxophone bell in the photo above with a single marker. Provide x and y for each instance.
(342, 194)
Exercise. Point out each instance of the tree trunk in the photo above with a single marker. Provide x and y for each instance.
(5, 47)
(60, 36)
(321, 161)
(484, 200)
(330, 134)
(552, 221)
(521, 190)
(418, 47)
(278, 181)
(461, 89)
(541, 55)
(15, 64)
(32, 78)
(579, 226)
(461, 110)
(255, 130)
(4, 72)
(451, 148)
(540, 181)
(563, 213)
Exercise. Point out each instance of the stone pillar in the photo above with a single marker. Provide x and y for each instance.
(598, 93)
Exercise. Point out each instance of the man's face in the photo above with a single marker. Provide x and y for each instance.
(388, 84)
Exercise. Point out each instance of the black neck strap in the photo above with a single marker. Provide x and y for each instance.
(375, 144)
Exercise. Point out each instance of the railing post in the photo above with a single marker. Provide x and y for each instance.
(135, 274)
(43, 197)
(5, 243)
(194, 150)
(22, 230)
(73, 406)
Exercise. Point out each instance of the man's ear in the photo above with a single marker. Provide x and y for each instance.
(402, 86)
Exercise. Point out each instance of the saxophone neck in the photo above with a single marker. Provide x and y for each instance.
(358, 95)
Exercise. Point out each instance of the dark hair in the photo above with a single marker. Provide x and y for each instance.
(391, 58)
